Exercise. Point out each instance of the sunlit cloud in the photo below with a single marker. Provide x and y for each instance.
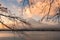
(36, 10)
(17, 11)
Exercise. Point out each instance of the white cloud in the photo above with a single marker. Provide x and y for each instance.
(19, 1)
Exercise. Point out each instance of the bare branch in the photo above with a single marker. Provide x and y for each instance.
(18, 18)
(6, 25)
(48, 11)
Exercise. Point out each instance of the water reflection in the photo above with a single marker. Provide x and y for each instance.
(34, 35)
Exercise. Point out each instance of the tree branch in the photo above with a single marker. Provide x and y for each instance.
(48, 11)
(6, 25)
(18, 18)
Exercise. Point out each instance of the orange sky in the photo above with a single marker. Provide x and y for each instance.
(38, 8)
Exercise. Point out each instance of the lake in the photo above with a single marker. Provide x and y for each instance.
(30, 35)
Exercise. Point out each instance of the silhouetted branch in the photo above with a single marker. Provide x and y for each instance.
(18, 18)
(49, 8)
(6, 25)
(48, 11)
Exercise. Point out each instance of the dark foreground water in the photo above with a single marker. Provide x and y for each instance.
(30, 35)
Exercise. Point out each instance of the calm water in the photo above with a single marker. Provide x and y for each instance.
(34, 35)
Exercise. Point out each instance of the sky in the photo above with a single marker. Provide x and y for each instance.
(17, 3)
(16, 7)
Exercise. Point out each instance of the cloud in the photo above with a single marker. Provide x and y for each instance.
(27, 14)
(15, 10)
(19, 1)
(2, 4)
